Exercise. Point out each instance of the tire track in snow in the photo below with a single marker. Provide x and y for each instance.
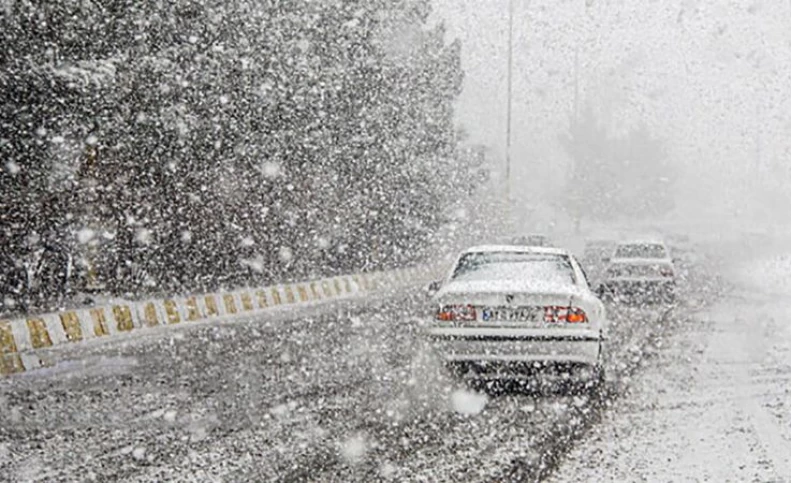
(749, 352)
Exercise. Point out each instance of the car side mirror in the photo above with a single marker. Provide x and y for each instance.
(433, 287)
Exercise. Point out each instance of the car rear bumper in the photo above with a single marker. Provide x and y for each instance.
(515, 350)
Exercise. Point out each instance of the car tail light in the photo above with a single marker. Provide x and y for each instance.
(456, 312)
(554, 314)
(576, 316)
(666, 271)
(572, 315)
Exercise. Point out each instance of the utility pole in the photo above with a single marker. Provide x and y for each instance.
(576, 113)
(575, 116)
(508, 111)
(758, 140)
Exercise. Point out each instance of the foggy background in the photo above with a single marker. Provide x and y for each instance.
(706, 76)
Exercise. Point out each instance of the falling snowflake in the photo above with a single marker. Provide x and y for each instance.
(467, 403)
(323, 242)
(256, 263)
(270, 169)
(139, 453)
(85, 235)
(170, 416)
(461, 214)
(279, 410)
(12, 168)
(353, 449)
(143, 236)
(528, 408)
(387, 470)
(283, 409)
(285, 254)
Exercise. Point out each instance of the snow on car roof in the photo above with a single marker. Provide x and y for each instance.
(516, 248)
(641, 261)
(642, 241)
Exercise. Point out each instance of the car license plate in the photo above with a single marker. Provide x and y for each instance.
(509, 314)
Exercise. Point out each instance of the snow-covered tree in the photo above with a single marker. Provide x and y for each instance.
(201, 140)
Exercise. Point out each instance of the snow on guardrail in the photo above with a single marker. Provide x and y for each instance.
(20, 338)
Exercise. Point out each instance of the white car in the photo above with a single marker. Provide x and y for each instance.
(642, 249)
(640, 271)
(512, 312)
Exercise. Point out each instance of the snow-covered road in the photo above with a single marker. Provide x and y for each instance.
(715, 406)
(343, 395)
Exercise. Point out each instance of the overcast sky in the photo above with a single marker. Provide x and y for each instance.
(711, 76)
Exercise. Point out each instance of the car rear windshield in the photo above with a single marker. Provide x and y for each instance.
(637, 270)
(546, 268)
(641, 250)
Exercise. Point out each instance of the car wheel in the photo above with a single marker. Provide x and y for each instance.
(594, 387)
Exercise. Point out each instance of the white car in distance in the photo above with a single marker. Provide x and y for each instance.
(640, 271)
(519, 313)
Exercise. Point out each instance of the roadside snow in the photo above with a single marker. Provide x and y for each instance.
(714, 405)
(766, 277)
